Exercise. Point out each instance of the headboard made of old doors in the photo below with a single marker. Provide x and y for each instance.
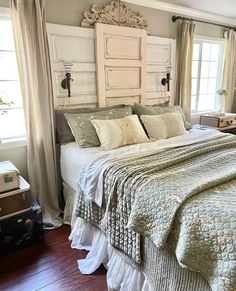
(109, 65)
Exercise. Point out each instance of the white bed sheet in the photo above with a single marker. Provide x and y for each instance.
(93, 161)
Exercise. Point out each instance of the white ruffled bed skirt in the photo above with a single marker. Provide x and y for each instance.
(120, 275)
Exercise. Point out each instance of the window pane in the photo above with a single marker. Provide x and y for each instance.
(6, 36)
(195, 69)
(196, 49)
(204, 69)
(212, 86)
(206, 80)
(193, 103)
(206, 102)
(10, 92)
(12, 124)
(8, 66)
(203, 86)
(206, 49)
(194, 86)
(215, 48)
(213, 69)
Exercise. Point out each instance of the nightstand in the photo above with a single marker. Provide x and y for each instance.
(226, 129)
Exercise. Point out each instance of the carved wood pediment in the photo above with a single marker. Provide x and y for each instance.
(115, 13)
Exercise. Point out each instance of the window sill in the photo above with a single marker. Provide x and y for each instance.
(13, 143)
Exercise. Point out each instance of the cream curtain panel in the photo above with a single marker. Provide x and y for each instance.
(28, 18)
(183, 79)
(229, 74)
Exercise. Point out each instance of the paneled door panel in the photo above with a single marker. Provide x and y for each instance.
(121, 58)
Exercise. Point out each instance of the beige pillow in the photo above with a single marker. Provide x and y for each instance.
(164, 125)
(119, 132)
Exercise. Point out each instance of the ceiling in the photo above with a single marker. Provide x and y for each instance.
(221, 7)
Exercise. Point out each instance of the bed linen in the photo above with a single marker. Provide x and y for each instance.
(123, 276)
(219, 277)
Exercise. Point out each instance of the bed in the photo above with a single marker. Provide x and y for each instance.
(159, 215)
(140, 260)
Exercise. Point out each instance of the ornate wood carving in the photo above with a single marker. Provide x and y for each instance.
(115, 13)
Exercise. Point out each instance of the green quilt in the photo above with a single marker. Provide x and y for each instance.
(184, 197)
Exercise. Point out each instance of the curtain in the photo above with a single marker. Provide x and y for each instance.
(29, 27)
(229, 73)
(183, 79)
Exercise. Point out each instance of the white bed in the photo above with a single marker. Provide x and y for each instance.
(121, 275)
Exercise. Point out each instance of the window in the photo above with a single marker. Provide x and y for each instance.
(206, 74)
(12, 124)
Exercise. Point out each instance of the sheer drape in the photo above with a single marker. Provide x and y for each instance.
(229, 74)
(29, 26)
(184, 52)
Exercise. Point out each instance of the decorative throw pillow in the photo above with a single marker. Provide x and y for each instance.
(155, 126)
(119, 132)
(82, 128)
(164, 125)
(155, 110)
(64, 134)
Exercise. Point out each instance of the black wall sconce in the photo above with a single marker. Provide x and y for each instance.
(66, 82)
(166, 81)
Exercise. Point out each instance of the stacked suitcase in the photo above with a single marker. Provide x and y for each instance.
(20, 218)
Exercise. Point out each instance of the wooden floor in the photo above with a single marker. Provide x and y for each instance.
(48, 266)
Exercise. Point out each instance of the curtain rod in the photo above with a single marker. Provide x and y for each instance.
(175, 18)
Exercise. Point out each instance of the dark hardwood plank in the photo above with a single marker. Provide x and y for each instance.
(49, 265)
(73, 282)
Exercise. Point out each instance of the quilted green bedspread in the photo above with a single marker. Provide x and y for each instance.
(184, 197)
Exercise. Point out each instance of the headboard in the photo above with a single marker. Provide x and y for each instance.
(77, 46)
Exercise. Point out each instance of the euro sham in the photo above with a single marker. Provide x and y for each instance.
(82, 128)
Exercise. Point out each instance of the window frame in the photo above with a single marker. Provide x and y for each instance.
(11, 142)
(200, 40)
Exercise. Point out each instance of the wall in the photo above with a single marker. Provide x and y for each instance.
(160, 22)
(4, 3)
(18, 156)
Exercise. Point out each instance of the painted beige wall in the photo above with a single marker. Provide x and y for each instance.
(70, 12)
(18, 156)
(4, 3)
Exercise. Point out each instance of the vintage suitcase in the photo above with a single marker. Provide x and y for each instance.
(15, 202)
(9, 177)
(21, 230)
(218, 119)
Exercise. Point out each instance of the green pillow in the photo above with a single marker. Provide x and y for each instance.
(155, 110)
(82, 128)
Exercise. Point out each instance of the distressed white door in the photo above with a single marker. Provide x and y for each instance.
(75, 46)
(121, 59)
(160, 61)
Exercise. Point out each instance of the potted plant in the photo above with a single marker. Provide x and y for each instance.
(4, 111)
(223, 96)
(4, 103)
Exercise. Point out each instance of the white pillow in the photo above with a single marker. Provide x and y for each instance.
(164, 126)
(115, 133)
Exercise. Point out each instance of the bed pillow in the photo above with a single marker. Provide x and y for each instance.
(154, 110)
(119, 132)
(82, 128)
(64, 134)
(164, 126)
